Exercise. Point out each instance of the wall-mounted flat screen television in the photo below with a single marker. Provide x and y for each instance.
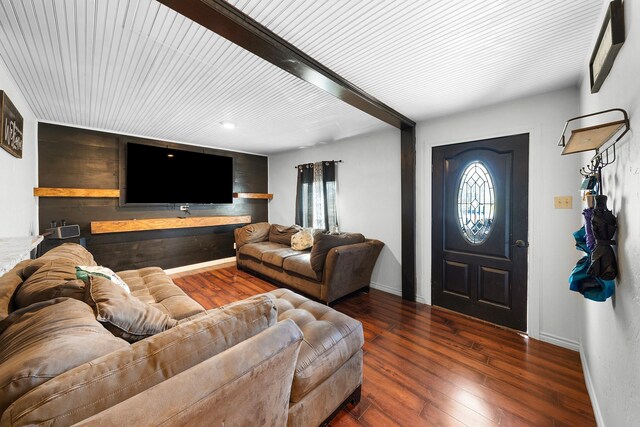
(167, 176)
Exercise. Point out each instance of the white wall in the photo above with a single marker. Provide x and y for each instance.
(18, 206)
(611, 330)
(368, 193)
(553, 309)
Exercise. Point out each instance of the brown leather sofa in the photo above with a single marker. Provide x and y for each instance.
(335, 266)
(74, 352)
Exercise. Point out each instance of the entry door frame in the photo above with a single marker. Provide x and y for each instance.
(534, 261)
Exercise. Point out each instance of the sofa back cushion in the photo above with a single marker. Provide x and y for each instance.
(103, 383)
(252, 233)
(9, 282)
(54, 279)
(72, 252)
(44, 340)
(282, 234)
(323, 243)
(124, 315)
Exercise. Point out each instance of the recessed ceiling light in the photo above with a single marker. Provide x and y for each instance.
(169, 155)
(228, 125)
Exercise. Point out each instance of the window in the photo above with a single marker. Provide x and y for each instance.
(316, 196)
(476, 203)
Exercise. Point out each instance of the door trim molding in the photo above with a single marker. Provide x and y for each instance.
(534, 261)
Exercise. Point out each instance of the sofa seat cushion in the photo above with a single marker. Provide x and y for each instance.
(256, 250)
(54, 279)
(276, 257)
(122, 314)
(301, 265)
(330, 339)
(46, 339)
(93, 387)
(152, 286)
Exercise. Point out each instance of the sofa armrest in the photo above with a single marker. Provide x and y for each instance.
(348, 268)
(248, 384)
(104, 382)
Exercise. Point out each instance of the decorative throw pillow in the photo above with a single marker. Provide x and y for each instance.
(124, 315)
(323, 243)
(282, 234)
(54, 279)
(46, 339)
(302, 240)
(85, 272)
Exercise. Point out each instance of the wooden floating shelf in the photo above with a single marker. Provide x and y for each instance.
(253, 196)
(76, 192)
(125, 226)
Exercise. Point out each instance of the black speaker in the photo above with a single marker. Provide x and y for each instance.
(65, 232)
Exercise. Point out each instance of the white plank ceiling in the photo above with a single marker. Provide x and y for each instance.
(137, 67)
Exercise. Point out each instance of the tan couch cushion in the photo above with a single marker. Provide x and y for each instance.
(152, 286)
(54, 279)
(330, 339)
(277, 257)
(72, 252)
(122, 314)
(301, 265)
(46, 339)
(101, 384)
(9, 282)
(257, 250)
(252, 233)
(325, 242)
(282, 234)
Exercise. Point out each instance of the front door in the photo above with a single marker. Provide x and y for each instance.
(479, 244)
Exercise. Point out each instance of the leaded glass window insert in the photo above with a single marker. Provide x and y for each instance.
(476, 203)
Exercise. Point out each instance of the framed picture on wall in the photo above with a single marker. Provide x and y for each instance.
(609, 42)
(11, 128)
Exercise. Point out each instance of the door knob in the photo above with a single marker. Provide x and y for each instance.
(521, 244)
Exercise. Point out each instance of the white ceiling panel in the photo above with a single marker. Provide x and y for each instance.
(137, 67)
(430, 58)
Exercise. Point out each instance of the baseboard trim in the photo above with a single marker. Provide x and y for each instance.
(591, 389)
(390, 290)
(562, 342)
(199, 265)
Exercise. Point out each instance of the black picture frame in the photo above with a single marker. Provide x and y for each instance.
(11, 125)
(610, 40)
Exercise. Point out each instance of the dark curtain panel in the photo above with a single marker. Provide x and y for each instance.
(316, 197)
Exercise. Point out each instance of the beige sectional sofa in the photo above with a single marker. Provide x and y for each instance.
(334, 266)
(91, 353)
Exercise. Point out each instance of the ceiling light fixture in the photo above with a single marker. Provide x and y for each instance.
(228, 125)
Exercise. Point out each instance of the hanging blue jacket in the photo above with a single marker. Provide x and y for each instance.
(591, 287)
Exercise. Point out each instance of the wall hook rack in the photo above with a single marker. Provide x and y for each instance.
(595, 138)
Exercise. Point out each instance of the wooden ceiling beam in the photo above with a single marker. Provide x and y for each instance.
(235, 26)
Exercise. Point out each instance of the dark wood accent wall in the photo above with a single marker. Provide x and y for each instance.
(73, 158)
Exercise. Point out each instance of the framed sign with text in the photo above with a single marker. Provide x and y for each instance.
(609, 42)
(10, 127)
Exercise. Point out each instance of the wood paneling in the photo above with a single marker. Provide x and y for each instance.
(75, 192)
(428, 366)
(71, 156)
(124, 226)
(253, 196)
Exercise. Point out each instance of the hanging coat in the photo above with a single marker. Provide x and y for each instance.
(603, 225)
(591, 287)
(591, 240)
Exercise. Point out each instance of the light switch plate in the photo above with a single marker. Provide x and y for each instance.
(563, 202)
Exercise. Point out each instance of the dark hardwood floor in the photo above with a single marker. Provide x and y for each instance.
(429, 366)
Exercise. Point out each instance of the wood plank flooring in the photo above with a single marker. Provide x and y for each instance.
(428, 366)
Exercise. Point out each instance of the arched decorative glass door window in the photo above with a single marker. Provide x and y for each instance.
(476, 203)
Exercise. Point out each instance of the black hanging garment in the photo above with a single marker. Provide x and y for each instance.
(604, 225)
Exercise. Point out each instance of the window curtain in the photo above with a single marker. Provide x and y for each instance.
(316, 196)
